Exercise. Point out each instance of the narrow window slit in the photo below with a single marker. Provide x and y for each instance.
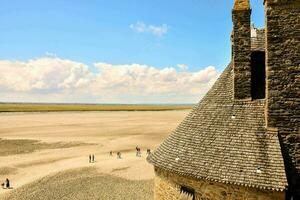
(258, 75)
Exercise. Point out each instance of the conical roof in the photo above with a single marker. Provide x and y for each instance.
(225, 141)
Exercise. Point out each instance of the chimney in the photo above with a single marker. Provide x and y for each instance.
(241, 49)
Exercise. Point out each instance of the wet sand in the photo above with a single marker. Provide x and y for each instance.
(97, 133)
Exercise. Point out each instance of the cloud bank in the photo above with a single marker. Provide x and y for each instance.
(52, 79)
(141, 27)
(182, 66)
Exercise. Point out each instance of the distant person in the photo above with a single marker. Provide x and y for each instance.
(93, 158)
(90, 158)
(148, 151)
(110, 153)
(7, 183)
(119, 155)
(138, 151)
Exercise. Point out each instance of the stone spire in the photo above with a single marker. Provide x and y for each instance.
(241, 5)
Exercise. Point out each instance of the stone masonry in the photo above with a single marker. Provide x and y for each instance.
(233, 145)
(283, 82)
(242, 50)
(167, 187)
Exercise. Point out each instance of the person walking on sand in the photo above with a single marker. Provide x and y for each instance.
(119, 155)
(137, 151)
(90, 158)
(93, 158)
(7, 183)
(110, 153)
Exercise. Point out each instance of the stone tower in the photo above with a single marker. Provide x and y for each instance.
(282, 18)
(242, 140)
(241, 49)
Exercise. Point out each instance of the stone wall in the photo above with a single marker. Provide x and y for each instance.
(167, 187)
(241, 50)
(283, 82)
(165, 190)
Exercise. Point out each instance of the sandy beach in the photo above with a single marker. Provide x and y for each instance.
(45, 155)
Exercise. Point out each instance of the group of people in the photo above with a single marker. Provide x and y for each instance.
(6, 184)
(138, 152)
(92, 158)
(119, 156)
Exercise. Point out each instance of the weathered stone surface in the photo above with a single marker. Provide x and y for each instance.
(241, 49)
(232, 146)
(283, 82)
(224, 140)
(241, 4)
(167, 187)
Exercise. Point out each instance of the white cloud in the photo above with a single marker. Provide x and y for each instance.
(183, 67)
(49, 54)
(42, 74)
(60, 80)
(141, 27)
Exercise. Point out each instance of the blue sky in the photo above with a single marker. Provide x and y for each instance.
(158, 33)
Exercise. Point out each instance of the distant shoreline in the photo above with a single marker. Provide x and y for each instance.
(65, 107)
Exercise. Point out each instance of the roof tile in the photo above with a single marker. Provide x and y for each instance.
(211, 144)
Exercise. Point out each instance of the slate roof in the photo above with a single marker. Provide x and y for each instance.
(224, 141)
